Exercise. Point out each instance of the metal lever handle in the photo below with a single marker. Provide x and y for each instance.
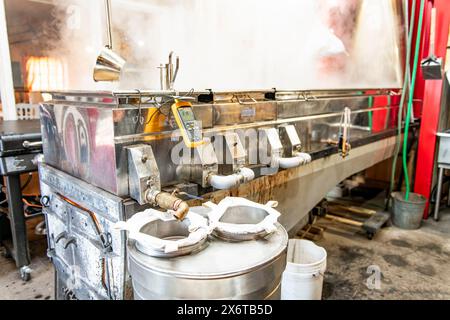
(246, 103)
(70, 241)
(28, 144)
(61, 236)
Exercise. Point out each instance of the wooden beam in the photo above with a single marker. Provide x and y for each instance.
(344, 220)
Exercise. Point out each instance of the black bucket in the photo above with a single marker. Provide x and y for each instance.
(408, 214)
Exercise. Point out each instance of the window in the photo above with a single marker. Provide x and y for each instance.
(45, 73)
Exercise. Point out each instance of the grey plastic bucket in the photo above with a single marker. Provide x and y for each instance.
(408, 214)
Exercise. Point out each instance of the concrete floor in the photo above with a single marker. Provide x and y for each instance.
(413, 264)
(40, 287)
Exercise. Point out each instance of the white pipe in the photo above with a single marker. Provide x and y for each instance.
(232, 180)
(305, 156)
(6, 76)
(297, 160)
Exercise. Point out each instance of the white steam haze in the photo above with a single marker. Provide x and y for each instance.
(237, 44)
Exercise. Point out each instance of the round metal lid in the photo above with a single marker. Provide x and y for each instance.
(219, 259)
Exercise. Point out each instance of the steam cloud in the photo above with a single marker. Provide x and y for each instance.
(230, 44)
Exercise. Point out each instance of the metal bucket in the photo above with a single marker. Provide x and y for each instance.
(408, 214)
(222, 270)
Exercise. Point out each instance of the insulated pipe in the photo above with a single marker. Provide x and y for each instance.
(231, 181)
(297, 160)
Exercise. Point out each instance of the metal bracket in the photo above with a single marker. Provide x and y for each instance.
(106, 240)
(143, 172)
(234, 154)
(290, 140)
(269, 142)
(270, 149)
(200, 165)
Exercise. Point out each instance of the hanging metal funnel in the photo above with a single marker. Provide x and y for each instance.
(109, 64)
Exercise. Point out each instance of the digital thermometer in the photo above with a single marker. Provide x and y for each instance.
(189, 126)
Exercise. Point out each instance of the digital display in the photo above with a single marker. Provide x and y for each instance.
(186, 114)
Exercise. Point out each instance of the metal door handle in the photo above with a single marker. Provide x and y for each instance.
(61, 236)
(70, 241)
(28, 144)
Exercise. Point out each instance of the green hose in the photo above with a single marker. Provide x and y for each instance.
(406, 86)
(410, 101)
(370, 114)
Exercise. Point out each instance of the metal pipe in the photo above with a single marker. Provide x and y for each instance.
(174, 77)
(161, 76)
(231, 181)
(438, 194)
(108, 23)
(167, 79)
(168, 201)
(170, 68)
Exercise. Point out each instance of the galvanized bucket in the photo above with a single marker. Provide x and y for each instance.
(407, 214)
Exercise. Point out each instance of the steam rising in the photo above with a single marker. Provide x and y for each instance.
(230, 44)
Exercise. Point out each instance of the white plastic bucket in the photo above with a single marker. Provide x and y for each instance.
(303, 277)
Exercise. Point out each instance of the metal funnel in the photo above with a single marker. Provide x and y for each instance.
(109, 64)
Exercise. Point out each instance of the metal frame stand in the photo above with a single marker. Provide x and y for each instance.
(441, 168)
(19, 251)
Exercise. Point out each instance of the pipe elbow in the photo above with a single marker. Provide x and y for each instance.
(231, 181)
(289, 163)
(297, 160)
(181, 211)
(306, 156)
(169, 202)
(223, 182)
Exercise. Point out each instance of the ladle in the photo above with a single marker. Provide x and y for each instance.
(109, 64)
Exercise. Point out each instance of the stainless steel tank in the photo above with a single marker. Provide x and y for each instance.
(220, 270)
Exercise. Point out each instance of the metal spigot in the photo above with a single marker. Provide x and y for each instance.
(168, 201)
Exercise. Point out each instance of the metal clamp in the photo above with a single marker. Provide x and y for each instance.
(45, 201)
(106, 240)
